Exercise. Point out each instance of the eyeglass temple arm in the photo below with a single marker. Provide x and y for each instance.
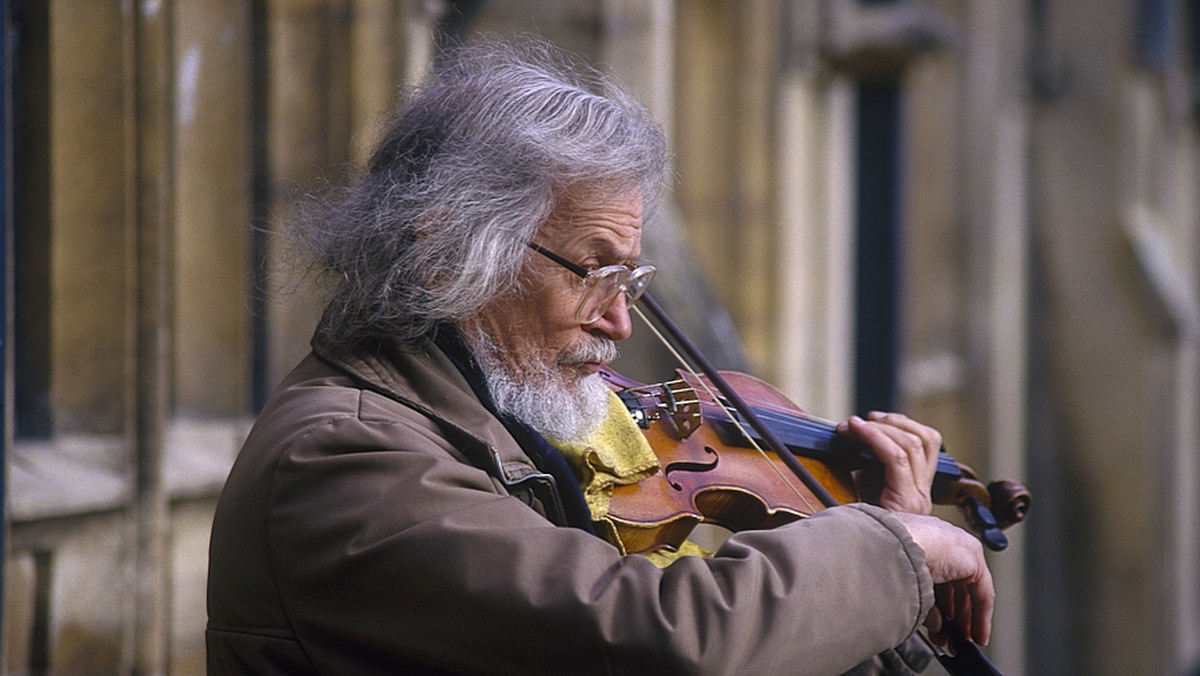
(582, 272)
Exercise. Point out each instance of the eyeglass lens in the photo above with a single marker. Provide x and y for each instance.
(604, 285)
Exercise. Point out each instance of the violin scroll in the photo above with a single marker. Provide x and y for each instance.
(1010, 501)
(988, 510)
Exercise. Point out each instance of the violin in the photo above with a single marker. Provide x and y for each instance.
(713, 473)
(712, 433)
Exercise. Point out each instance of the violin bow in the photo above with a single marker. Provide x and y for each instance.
(967, 659)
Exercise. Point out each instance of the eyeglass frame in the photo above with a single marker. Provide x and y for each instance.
(591, 279)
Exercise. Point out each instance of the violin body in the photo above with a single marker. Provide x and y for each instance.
(704, 478)
(714, 471)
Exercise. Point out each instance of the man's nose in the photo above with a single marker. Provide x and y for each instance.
(615, 323)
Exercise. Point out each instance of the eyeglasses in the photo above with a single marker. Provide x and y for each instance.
(603, 285)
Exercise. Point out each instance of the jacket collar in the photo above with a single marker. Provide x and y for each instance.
(426, 380)
(439, 380)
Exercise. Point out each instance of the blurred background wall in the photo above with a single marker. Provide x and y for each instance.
(980, 212)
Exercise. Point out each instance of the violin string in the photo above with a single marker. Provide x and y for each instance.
(683, 362)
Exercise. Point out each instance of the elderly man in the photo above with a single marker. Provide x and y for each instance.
(406, 502)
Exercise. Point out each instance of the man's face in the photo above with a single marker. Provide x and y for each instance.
(533, 334)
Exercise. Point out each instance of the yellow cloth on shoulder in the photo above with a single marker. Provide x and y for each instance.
(615, 454)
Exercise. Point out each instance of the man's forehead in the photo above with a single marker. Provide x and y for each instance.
(601, 215)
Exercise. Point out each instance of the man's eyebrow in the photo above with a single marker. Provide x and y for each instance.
(604, 250)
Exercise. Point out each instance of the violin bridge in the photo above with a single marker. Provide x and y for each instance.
(674, 403)
(683, 405)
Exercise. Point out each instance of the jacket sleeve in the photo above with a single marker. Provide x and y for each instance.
(387, 549)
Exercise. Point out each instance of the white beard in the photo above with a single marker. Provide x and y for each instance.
(548, 397)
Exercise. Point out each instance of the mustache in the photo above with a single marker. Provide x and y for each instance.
(592, 349)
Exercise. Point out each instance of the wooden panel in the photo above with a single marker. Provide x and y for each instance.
(639, 48)
(20, 609)
(213, 193)
(754, 230)
(572, 24)
(376, 49)
(306, 139)
(90, 218)
(703, 155)
(724, 110)
(814, 277)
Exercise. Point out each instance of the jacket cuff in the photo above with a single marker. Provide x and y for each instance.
(912, 550)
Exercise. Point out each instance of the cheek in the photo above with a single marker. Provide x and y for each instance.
(541, 321)
(554, 325)
(554, 305)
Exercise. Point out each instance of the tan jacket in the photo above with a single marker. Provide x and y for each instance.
(379, 520)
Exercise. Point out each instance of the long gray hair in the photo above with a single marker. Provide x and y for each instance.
(472, 164)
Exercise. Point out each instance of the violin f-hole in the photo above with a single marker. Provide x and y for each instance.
(691, 467)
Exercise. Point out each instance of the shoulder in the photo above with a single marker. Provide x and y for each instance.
(324, 408)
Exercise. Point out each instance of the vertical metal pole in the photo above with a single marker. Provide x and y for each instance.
(878, 224)
(27, 72)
